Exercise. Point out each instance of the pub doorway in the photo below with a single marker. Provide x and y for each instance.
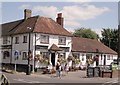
(104, 59)
(53, 59)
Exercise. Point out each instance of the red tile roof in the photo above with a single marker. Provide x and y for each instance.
(90, 46)
(37, 24)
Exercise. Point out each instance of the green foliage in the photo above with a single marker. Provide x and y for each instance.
(110, 38)
(85, 33)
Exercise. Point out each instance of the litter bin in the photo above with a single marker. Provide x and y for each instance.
(90, 72)
(97, 72)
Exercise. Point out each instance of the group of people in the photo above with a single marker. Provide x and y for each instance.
(59, 68)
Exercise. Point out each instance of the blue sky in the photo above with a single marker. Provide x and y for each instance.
(94, 15)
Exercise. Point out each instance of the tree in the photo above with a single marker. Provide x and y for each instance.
(85, 33)
(110, 38)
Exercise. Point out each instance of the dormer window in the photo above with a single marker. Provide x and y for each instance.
(44, 39)
(62, 40)
(16, 40)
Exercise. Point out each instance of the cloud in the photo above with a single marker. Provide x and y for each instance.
(25, 6)
(83, 13)
(49, 11)
(73, 14)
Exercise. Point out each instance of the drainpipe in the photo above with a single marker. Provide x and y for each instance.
(35, 51)
(11, 49)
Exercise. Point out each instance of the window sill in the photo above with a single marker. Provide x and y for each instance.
(61, 44)
(44, 42)
(24, 42)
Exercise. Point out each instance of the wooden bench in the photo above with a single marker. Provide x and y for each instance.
(104, 73)
(107, 70)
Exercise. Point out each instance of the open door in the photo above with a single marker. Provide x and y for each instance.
(104, 59)
(53, 58)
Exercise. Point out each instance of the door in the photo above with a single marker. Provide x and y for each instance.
(104, 59)
(53, 59)
(97, 60)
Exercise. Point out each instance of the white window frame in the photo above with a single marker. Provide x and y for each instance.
(44, 39)
(24, 56)
(17, 40)
(62, 41)
(24, 39)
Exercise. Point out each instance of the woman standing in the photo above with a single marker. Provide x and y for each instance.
(58, 69)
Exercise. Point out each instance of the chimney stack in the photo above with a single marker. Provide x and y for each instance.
(27, 13)
(59, 19)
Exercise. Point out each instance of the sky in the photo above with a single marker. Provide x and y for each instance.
(94, 15)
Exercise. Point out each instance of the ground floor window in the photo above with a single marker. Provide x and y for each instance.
(43, 57)
(89, 59)
(24, 56)
(62, 57)
(6, 54)
(83, 56)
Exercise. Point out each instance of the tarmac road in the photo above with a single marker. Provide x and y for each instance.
(77, 77)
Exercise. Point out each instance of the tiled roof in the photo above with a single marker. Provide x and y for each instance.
(37, 24)
(89, 45)
(7, 27)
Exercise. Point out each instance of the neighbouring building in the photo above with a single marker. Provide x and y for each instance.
(84, 49)
(49, 40)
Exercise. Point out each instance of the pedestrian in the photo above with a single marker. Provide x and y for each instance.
(66, 68)
(58, 69)
(49, 68)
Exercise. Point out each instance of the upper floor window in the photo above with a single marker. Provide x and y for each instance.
(62, 40)
(5, 39)
(44, 39)
(16, 40)
(24, 39)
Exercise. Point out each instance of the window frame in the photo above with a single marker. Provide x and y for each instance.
(17, 40)
(24, 56)
(5, 39)
(43, 41)
(61, 43)
(24, 39)
(83, 57)
(108, 57)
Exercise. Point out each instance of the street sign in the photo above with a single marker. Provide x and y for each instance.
(16, 54)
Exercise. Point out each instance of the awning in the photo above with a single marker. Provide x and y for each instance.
(55, 48)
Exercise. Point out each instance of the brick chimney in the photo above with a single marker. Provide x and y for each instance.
(59, 19)
(27, 13)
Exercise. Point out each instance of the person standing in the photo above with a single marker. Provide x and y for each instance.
(66, 68)
(58, 69)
